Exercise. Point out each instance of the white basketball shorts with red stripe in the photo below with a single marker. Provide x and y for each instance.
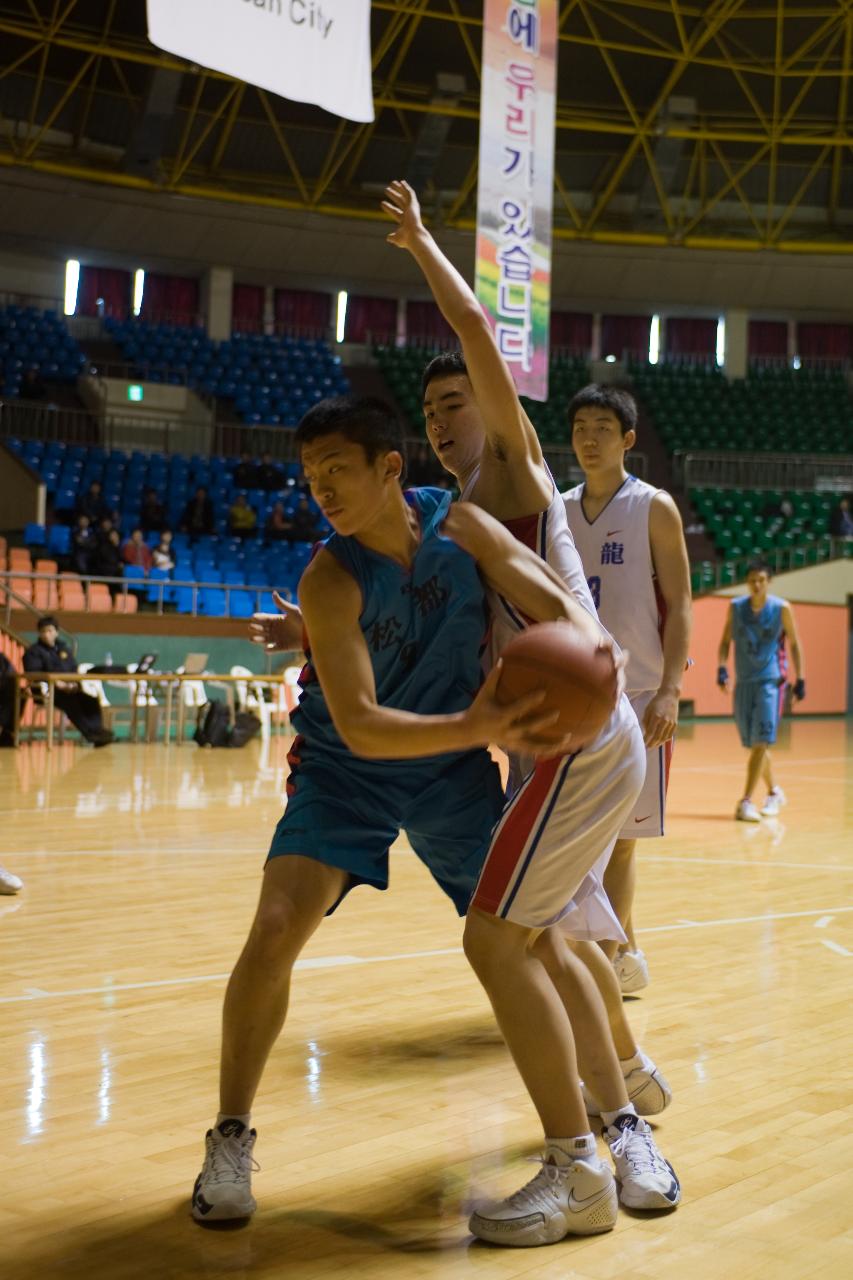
(647, 816)
(555, 836)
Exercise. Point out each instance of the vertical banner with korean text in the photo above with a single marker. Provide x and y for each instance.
(516, 182)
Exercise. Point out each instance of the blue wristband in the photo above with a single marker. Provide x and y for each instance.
(722, 675)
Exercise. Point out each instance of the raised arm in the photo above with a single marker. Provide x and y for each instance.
(672, 570)
(509, 431)
(331, 604)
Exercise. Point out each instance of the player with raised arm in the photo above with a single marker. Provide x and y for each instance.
(390, 733)
(631, 543)
(760, 624)
(558, 831)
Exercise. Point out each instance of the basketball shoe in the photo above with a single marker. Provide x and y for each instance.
(9, 883)
(774, 802)
(646, 1180)
(566, 1197)
(647, 1088)
(223, 1189)
(747, 812)
(632, 970)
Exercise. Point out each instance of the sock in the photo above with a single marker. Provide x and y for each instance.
(244, 1120)
(563, 1150)
(639, 1062)
(610, 1117)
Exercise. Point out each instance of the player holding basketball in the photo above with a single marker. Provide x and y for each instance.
(389, 737)
(560, 825)
(759, 624)
(630, 540)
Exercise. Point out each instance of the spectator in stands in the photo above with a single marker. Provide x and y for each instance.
(197, 518)
(108, 561)
(268, 476)
(84, 544)
(303, 524)
(278, 525)
(92, 504)
(152, 515)
(7, 707)
(135, 551)
(840, 520)
(82, 709)
(245, 472)
(242, 519)
(104, 529)
(162, 555)
(32, 387)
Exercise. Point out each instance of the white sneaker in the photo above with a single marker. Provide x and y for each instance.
(577, 1198)
(632, 970)
(647, 1088)
(223, 1189)
(646, 1180)
(773, 804)
(8, 883)
(747, 812)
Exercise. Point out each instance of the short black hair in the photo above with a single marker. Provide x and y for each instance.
(598, 395)
(759, 566)
(448, 364)
(364, 420)
(47, 621)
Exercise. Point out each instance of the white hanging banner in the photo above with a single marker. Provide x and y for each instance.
(308, 50)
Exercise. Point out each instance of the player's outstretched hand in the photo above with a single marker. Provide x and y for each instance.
(278, 631)
(523, 725)
(660, 720)
(401, 204)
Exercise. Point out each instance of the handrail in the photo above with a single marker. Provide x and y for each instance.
(128, 585)
(721, 469)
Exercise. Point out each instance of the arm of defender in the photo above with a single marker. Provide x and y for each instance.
(672, 569)
(516, 572)
(331, 604)
(509, 431)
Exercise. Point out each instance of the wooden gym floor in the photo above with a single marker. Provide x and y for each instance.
(390, 1102)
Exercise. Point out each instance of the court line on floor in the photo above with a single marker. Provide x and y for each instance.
(330, 962)
(836, 947)
(757, 865)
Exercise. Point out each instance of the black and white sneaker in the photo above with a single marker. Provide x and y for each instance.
(646, 1180)
(223, 1189)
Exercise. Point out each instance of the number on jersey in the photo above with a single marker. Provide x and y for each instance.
(594, 585)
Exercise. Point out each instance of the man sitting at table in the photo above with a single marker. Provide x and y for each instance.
(84, 711)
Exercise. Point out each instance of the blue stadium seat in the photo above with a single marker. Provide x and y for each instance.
(34, 535)
(59, 539)
(211, 602)
(134, 573)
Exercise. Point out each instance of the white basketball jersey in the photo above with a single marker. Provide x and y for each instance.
(617, 559)
(548, 534)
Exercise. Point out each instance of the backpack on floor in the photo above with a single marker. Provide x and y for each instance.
(214, 725)
(246, 725)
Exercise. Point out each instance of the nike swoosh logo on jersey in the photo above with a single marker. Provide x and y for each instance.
(610, 532)
(648, 815)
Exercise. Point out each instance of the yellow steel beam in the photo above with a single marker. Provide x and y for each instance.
(793, 204)
(635, 117)
(58, 107)
(777, 101)
(733, 183)
(284, 145)
(657, 41)
(181, 168)
(568, 201)
(227, 129)
(465, 37)
(733, 179)
(678, 15)
(720, 11)
(216, 193)
(188, 124)
(465, 190)
(843, 95)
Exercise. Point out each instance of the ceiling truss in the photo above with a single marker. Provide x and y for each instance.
(766, 162)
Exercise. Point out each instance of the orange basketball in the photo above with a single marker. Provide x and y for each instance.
(579, 678)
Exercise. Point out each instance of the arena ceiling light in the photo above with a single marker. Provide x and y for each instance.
(138, 290)
(72, 283)
(342, 315)
(654, 340)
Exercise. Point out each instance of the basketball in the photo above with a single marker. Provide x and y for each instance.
(580, 678)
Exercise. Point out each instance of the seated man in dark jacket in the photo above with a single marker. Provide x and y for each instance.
(82, 709)
(198, 514)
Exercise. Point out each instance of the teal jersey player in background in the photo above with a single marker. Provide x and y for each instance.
(760, 624)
